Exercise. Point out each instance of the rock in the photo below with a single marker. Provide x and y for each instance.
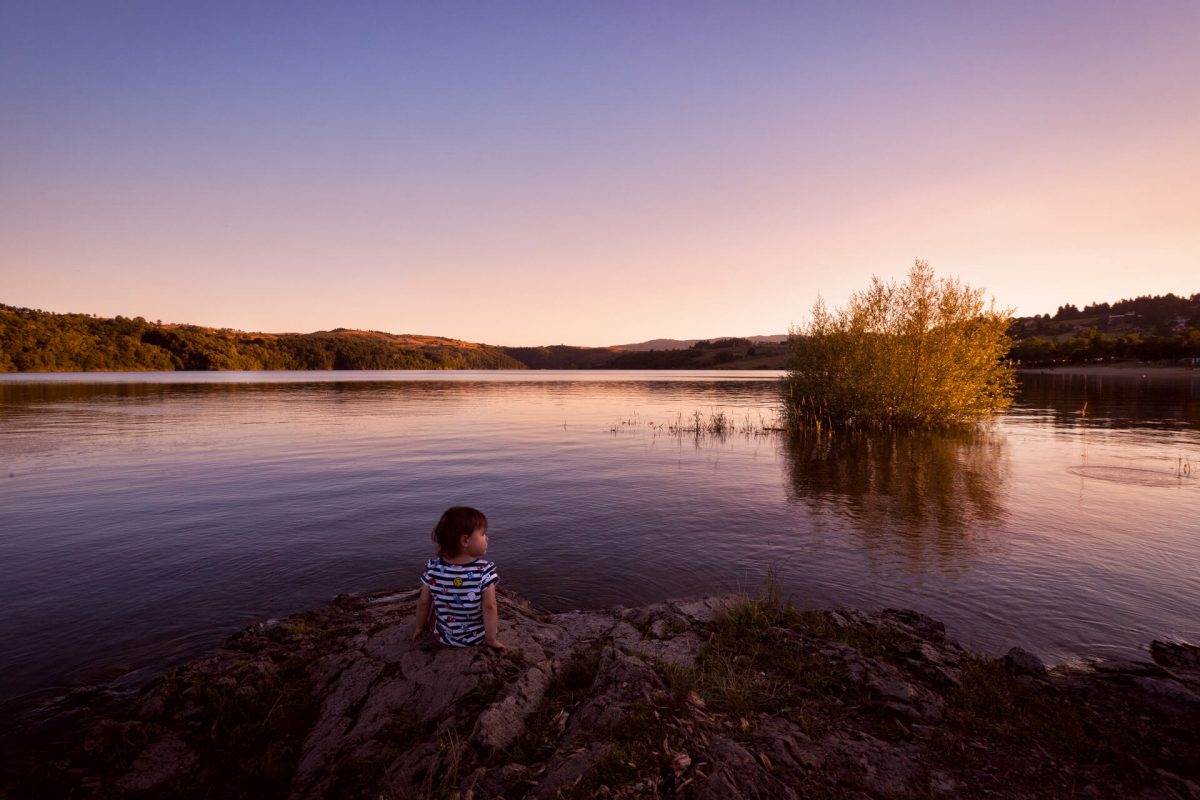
(503, 722)
(942, 784)
(622, 681)
(680, 650)
(735, 774)
(703, 610)
(163, 763)
(334, 720)
(151, 706)
(389, 644)
(943, 677)
(1167, 688)
(1182, 660)
(1022, 662)
(921, 625)
(626, 637)
(852, 617)
(902, 696)
(1128, 667)
(1175, 655)
(567, 771)
(786, 744)
(1183, 786)
(927, 652)
(858, 758)
(499, 782)
(892, 687)
(369, 713)
(401, 777)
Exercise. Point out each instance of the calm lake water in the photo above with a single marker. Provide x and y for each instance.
(143, 517)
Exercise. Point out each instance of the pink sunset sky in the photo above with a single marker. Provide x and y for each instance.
(589, 174)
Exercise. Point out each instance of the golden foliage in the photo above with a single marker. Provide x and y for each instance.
(926, 353)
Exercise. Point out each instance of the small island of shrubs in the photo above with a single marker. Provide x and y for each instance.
(926, 353)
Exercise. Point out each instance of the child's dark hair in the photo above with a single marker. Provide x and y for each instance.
(456, 522)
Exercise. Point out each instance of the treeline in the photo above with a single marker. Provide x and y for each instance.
(1090, 345)
(705, 354)
(562, 356)
(1155, 310)
(1149, 328)
(40, 341)
(708, 354)
(1163, 328)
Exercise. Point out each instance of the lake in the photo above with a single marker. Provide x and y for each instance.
(144, 517)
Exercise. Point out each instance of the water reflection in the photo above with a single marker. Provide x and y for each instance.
(934, 499)
(1113, 401)
(137, 511)
(17, 396)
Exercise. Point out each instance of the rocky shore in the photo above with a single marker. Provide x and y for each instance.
(715, 698)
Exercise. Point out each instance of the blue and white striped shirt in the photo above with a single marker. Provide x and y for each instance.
(457, 592)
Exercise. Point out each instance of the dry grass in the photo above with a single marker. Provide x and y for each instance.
(715, 424)
(759, 659)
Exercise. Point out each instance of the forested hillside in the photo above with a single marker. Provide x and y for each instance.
(729, 353)
(1152, 328)
(40, 341)
(1163, 328)
(562, 356)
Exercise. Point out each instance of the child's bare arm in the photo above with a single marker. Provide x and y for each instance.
(424, 606)
(491, 618)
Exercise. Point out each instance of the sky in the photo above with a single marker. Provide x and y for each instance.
(589, 173)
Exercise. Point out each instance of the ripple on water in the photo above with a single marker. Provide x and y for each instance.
(1133, 476)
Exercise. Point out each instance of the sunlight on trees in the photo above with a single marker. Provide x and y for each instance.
(926, 353)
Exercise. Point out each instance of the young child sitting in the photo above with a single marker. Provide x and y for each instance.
(458, 588)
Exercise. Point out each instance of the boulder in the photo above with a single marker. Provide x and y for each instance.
(1022, 662)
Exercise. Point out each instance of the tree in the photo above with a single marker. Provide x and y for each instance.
(927, 353)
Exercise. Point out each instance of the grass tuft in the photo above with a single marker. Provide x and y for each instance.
(759, 658)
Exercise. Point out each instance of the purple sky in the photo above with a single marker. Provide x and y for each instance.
(589, 174)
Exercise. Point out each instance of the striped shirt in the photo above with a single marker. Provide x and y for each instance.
(457, 592)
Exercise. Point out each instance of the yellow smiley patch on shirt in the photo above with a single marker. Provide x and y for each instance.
(458, 581)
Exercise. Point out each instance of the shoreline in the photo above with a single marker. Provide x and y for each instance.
(709, 698)
(1124, 370)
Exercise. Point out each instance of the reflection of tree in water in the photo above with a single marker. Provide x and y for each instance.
(1115, 401)
(926, 496)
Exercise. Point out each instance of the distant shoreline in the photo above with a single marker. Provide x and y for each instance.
(1123, 369)
(1117, 370)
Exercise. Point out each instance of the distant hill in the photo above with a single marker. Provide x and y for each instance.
(40, 341)
(731, 353)
(683, 344)
(1151, 328)
(563, 356)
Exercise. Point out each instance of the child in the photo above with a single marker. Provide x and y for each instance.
(458, 586)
